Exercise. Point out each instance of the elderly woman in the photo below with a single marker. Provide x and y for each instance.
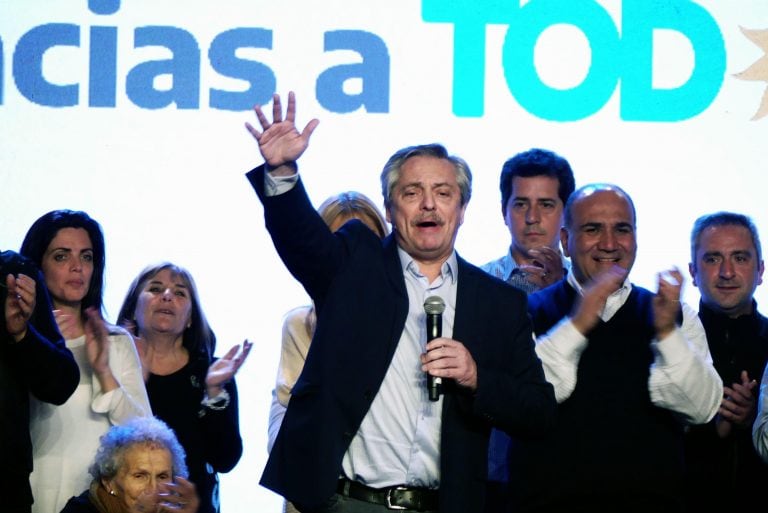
(139, 468)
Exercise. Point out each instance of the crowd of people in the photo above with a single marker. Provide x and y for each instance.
(547, 381)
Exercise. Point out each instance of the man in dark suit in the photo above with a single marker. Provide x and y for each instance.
(360, 433)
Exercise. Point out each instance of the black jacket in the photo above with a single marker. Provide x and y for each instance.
(356, 282)
(39, 364)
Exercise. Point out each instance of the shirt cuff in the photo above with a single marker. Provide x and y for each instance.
(276, 185)
(671, 351)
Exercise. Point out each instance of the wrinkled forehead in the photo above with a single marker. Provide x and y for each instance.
(427, 170)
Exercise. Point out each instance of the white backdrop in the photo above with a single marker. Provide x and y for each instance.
(166, 180)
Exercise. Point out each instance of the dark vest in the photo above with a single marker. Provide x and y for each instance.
(611, 442)
(727, 473)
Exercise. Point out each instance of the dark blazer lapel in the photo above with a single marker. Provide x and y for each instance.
(394, 273)
(467, 291)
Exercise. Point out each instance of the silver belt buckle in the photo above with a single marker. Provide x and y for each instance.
(389, 498)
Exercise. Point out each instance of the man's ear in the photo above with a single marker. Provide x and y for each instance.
(760, 269)
(692, 272)
(564, 241)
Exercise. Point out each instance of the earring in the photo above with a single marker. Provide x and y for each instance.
(112, 493)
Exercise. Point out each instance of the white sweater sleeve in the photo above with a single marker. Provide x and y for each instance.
(683, 378)
(130, 398)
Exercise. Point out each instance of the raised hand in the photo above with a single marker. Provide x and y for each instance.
(19, 304)
(97, 348)
(224, 369)
(280, 143)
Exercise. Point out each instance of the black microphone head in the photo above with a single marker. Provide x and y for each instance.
(434, 305)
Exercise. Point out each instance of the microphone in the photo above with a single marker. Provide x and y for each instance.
(434, 306)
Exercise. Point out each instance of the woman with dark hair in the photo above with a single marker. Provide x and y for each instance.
(68, 247)
(191, 391)
(139, 468)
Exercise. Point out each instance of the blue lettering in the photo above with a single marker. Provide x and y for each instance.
(102, 84)
(260, 77)
(640, 101)
(627, 58)
(519, 47)
(373, 71)
(183, 67)
(28, 64)
(469, 18)
(104, 7)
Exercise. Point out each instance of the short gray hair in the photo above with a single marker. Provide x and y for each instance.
(110, 456)
(723, 219)
(391, 172)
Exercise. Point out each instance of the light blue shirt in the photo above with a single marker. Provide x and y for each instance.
(507, 269)
(398, 442)
(399, 439)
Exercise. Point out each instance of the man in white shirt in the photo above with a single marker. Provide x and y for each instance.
(630, 368)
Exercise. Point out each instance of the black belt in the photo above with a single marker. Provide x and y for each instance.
(393, 497)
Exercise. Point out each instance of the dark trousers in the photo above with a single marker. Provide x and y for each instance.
(341, 504)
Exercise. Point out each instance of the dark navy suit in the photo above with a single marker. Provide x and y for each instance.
(356, 282)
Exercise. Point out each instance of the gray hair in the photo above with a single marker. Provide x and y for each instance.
(138, 431)
(391, 172)
(723, 219)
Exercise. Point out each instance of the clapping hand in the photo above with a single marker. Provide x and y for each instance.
(179, 496)
(666, 302)
(225, 368)
(19, 304)
(546, 268)
(67, 324)
(737, 406)
(96, 341)
(594, 296)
